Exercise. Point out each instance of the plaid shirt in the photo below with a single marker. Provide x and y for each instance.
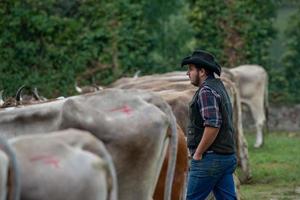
(209, 101)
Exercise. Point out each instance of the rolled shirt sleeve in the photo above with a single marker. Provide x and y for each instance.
(209, 102)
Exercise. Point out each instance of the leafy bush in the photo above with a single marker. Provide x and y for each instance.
(52, 44)
(291, 60)
(237, 32)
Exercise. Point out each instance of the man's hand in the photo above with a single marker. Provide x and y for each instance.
(197, 156)
(209, 135)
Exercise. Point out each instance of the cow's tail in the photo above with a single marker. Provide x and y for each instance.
(14, 182)
(266, 101)
(184, 189)
(173, 155)
(100, 149)
(113, 193)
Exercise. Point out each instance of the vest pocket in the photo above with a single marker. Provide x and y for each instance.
(191, 137)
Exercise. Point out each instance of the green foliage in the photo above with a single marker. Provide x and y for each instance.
(278, 86)
(51, 44)
(206, 18)
(291, 60)
(287, 2)
(41, 45)
(241, 32)
(173, 41)
(237, 31)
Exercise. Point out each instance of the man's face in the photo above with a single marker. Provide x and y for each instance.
(193, 74)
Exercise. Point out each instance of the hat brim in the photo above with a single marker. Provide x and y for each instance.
(215, 67)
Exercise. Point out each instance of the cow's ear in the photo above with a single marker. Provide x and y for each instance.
(70, 114)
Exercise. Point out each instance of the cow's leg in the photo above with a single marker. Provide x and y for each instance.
(259, 135)
(258, 114)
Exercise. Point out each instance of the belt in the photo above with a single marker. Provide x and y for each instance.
(211, 151)
(206, 152)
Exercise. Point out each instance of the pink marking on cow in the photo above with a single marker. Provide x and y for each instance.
(49, 160)
(125, 109)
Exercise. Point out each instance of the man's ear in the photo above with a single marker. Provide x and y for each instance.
(202, 71)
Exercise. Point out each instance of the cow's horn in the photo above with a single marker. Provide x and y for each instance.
(78, 89)
(1, 98)
(96, 87)
(137, 74)
(36, 94)
(19, 92)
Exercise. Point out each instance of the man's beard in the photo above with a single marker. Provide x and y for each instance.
(196, 82)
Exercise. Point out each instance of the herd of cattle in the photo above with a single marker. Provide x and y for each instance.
(124, 142)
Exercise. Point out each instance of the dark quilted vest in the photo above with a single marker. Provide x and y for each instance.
(224, 142)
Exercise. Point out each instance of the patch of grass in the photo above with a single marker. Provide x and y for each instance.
(275, 167)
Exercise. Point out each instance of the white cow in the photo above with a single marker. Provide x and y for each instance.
(132, 124)
(65, 165)
(252, 82)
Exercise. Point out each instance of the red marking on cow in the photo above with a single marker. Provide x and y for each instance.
(125, 109)
(49, 160)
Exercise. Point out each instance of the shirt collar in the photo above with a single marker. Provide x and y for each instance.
(207, 78)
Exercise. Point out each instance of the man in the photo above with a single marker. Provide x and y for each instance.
(210, 131)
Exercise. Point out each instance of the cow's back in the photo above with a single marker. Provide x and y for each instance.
(250, 79)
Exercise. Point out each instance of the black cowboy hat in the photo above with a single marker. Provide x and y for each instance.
(203, 59)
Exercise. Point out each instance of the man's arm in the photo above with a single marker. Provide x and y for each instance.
(209, 135)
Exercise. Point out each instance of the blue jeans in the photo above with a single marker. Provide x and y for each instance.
(212, 173)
